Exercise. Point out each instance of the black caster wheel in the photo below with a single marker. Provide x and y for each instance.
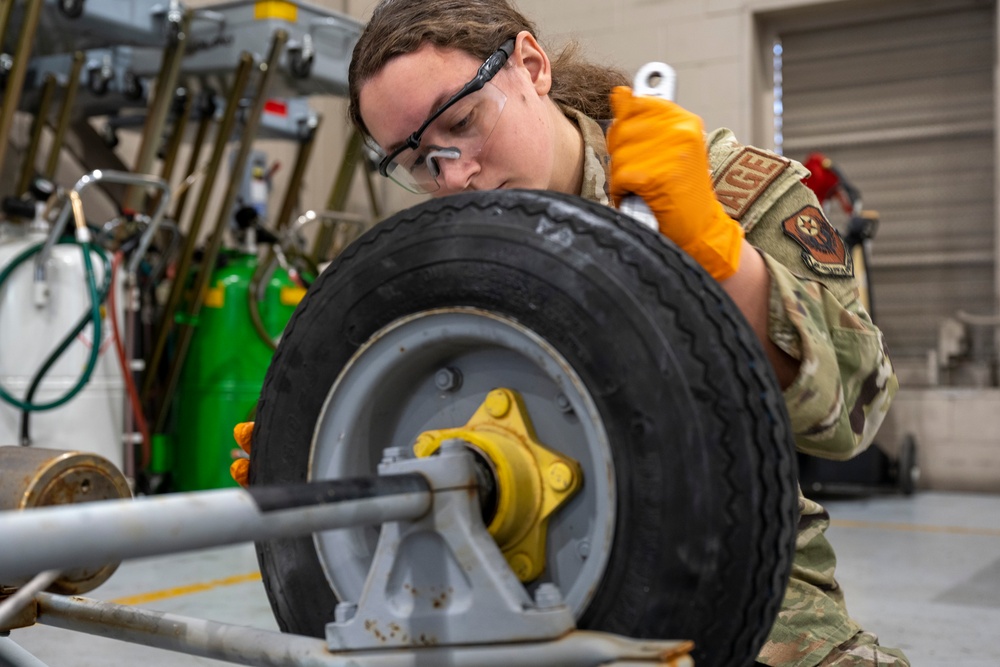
(71, 8)
(132, 87)
(299, 65)
(97, 83)
(110, 136)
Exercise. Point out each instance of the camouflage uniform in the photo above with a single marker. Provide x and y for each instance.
(845, 381)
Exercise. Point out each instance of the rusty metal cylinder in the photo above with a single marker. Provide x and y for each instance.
(34, 477)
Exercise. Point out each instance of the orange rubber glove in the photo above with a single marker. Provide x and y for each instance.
(658, 152)
(240, 468)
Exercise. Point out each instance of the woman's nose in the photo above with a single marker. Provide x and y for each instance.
(457, 174)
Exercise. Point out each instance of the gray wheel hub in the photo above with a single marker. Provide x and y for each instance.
(432, 370)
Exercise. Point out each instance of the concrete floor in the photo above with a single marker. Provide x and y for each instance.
(922, 572)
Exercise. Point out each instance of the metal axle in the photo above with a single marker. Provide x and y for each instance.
(89, 534)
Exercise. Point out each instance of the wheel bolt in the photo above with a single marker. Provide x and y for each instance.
(497, 403)
(560, 476)
(521, 565)
(393, 454)
(548, 596)
(448, 379)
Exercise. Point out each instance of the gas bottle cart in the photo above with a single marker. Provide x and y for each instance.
(520, 427)
(53, 362)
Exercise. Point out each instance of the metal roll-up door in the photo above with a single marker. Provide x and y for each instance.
(904, 104)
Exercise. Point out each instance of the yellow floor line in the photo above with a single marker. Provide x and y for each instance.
(916, 528)
(255, 576)
(189, 589)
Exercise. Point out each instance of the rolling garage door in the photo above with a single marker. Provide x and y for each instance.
(905, 105)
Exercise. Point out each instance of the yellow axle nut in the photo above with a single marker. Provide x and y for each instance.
(521, 565)
(532, 481)
(560, 476)
(497, 403)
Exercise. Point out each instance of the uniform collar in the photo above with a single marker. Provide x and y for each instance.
(596, 161)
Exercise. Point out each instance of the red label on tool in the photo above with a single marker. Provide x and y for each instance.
(276, 107)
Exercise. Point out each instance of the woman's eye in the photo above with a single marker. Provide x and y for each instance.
(461, 125)
(465, 122)
(419, 162)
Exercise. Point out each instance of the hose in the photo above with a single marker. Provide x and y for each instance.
(260, 277)
(258, 287)
(92, 316)
(131, 389)
(44, 369)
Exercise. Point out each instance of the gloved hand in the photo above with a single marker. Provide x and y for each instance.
(240, 468)
(658, 153)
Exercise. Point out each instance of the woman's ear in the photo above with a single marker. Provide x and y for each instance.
(530, 55)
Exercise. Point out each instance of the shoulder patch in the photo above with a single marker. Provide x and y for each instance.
(745, 178)
(824, 250)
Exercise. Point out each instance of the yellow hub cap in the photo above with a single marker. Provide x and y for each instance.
(532, 481)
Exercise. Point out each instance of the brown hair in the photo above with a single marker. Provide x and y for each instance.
(477, 27)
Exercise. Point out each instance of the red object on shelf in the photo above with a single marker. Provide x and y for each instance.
(822, 179)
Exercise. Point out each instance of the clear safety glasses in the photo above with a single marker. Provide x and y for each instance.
(458, 130)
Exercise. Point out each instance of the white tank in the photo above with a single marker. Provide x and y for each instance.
(92, 421)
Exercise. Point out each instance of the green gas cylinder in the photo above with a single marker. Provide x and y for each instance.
(224, 370)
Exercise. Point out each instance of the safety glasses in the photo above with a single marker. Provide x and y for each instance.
(457, 130)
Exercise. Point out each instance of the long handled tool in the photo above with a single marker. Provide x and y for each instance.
(159, 107)
(41, 117)
(15, 78)
(224, 132)
(186, 330)
(65, 115)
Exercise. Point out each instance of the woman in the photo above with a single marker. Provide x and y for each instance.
(460, 95)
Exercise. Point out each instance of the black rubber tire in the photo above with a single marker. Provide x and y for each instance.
(704, 460)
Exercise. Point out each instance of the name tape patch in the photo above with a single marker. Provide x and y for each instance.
(824, 250)
(745, 178)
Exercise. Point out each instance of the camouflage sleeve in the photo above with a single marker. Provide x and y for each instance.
(845, 381)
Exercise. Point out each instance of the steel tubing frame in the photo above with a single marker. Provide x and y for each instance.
(266, 648)
(90, 534)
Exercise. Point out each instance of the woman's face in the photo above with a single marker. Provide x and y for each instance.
(521, 152)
